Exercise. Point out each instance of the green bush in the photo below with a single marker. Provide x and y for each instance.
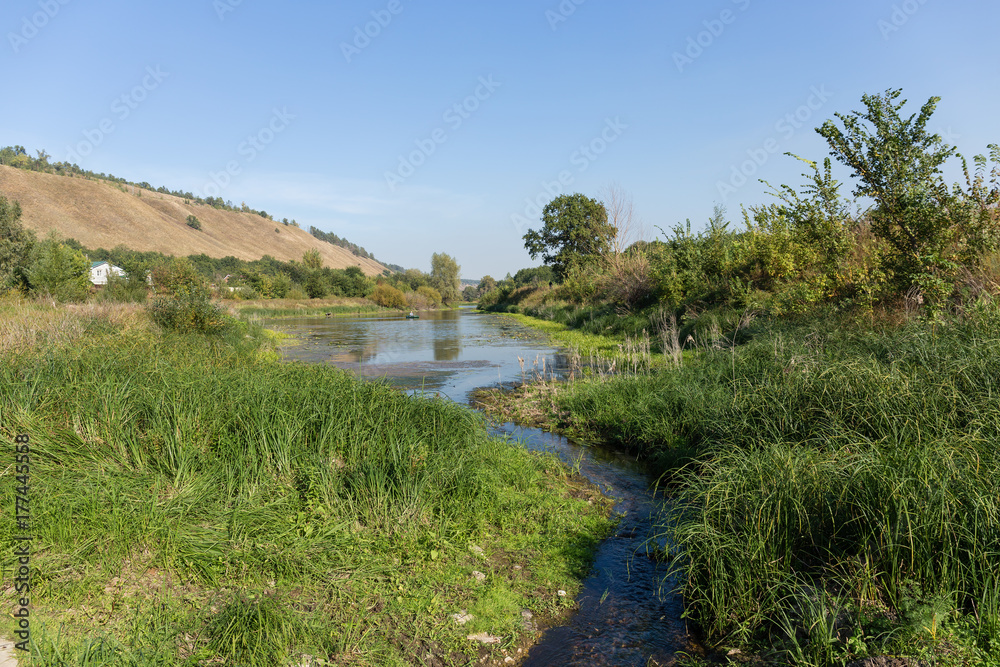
(388, 296)
(190, 310)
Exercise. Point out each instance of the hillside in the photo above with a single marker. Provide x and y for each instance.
(99, 214)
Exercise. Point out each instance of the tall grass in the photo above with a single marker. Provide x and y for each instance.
(850, 462)
(260, 508)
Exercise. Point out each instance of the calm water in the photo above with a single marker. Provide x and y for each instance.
(626, 616)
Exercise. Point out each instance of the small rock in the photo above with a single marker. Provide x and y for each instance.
(517, 567)
(478, 576)
(477, 550)
(462, 617)
(562, 593)
(484, 638)
(509, 660)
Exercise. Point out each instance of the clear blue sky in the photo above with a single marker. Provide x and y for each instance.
(184, 86)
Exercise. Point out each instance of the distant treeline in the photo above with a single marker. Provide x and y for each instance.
(330, 237)
(18, 157)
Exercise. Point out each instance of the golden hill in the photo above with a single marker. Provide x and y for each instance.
(99, 214)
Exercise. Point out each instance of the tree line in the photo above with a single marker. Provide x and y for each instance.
(61, 269)
(904, 237)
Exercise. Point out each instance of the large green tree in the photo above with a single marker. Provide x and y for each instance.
(445, 277)
(59, 271)
(16, 243)
(575, 229)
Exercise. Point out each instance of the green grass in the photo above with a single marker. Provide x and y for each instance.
(196, 502)
(835, 484)
(285, 308)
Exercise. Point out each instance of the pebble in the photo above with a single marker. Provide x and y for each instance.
(462, 617)
(562, 593)
(479, 576)
(484, 638)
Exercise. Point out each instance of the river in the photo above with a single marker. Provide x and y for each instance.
(627, 614)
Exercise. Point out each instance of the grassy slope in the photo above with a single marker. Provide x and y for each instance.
(100, 215)
(839, 485)
(198, 501)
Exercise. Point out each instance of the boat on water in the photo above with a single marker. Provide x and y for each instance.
(411, 316)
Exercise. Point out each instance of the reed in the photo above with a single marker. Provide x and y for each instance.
(195, 502)
(855, 462)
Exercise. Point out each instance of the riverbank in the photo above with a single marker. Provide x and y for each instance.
(835, 482)
(196, 502)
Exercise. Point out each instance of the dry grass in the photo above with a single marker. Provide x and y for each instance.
(32, 324)
(100, 215)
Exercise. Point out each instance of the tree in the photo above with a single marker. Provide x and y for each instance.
(898, 164)
(486, 284)
(575, 229)
(444, 277)
(16, 243)
(193, 222)
(312, 259)
(59, 271)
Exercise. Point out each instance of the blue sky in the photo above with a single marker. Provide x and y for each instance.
(416, 127)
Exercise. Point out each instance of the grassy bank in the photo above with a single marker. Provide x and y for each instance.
(272, 308)
(195, 502)
(835, 483)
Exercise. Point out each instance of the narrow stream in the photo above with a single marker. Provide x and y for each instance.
(627, 616)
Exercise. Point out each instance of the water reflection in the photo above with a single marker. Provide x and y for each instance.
(453, 351)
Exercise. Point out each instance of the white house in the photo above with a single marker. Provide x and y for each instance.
(100, 271)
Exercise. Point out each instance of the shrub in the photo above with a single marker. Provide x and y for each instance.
(122, 289)
(388, 296)
(193, 222)
(432, 295)
(190, 310)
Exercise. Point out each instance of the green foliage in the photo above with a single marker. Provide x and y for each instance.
(445, 277)
(486, 284)
(123, 289)
(430, 294)
(315, 287)
(388, 296)
(16, 244)
(929, 231)
(193, 222)
(312, 259)
(575, 230)
(189, 309)
(175, 274)
(59, 271)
